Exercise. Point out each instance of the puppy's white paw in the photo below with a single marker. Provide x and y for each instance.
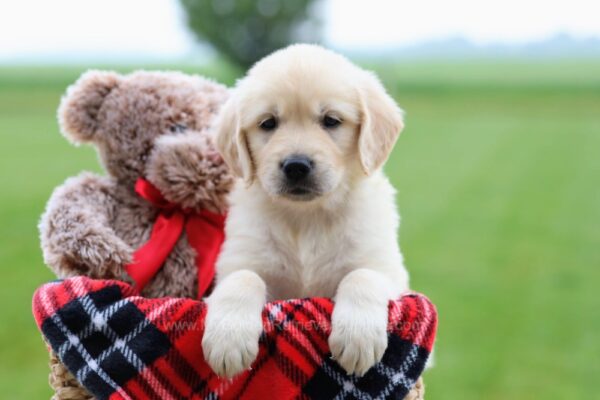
(230, 345)
(358, 338)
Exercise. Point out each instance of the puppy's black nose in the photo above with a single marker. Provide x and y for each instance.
(296, 168)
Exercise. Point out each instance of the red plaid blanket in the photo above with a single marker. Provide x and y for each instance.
(122, 346)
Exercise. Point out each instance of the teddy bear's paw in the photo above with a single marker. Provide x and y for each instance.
(102, 253)
(358, 338)
(230, 345)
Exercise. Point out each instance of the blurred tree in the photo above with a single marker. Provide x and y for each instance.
(246, 30)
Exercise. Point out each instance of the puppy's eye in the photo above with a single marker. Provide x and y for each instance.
(330, 122)
(269, 124)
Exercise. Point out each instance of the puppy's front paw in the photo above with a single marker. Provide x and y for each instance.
(230, 345)
(358, 338)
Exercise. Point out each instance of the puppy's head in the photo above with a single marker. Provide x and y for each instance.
(305, 122)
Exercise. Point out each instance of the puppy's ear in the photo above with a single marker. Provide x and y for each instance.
(381, 124)
(231, 141)
(79, 107)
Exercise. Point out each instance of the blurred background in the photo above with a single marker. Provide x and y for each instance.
(498, 170)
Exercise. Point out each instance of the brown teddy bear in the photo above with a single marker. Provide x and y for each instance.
(93, 223)
(152, 125)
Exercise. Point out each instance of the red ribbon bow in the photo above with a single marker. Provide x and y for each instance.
(205, 233)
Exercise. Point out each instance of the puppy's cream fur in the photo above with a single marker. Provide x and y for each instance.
(341, 240)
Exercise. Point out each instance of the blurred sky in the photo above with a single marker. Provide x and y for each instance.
(44, 29)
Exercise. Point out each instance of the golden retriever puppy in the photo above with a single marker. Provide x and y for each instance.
(312, 214)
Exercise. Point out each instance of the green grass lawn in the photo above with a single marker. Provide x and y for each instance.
(498, 173)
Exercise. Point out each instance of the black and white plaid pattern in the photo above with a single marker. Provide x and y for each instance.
(332, 382)
(97, 333)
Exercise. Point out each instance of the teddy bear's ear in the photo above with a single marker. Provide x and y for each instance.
(79, 107)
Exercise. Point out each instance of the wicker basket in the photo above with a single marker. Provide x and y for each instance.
(63, 383)
(417, 392)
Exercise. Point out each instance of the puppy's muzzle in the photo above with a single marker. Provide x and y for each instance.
(298, 177)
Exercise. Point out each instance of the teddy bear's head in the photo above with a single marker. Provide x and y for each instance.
(124, 115)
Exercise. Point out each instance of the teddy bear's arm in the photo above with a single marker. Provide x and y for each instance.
(75, 230)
